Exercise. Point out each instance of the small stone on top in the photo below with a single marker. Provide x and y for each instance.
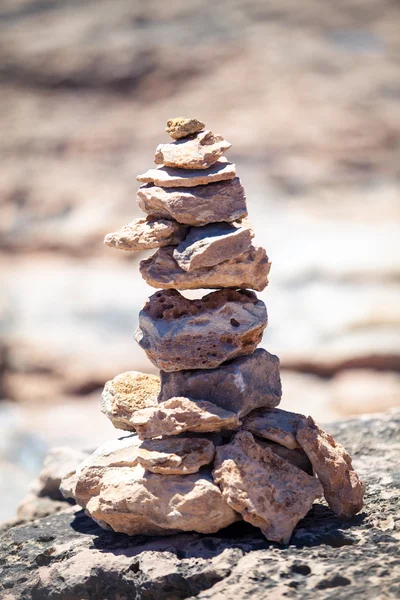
(181, 127)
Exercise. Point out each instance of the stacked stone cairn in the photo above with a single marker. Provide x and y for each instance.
(209, 445)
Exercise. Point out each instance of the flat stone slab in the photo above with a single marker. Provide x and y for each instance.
(67, 555)
(250, 270)
(177, 415)
(213, 244)
(177, 333)
(145, 234)
(240, 385)
(199, 205)
(274, 424)
(170, 177)
(267, 490)
(343, 489)
(126, 393)
(199, 151)
(175, 456)
(181, 127)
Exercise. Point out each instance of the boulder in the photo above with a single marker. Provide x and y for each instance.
(145, 234)
(240, 385)
(126, 393)
(178, 333)
(213, 244)
(199, 205)
(274, 424)
(181, 127)
(249, 270)
(197, 152)
(268, 491)
(343, 489)
(171, 177)
(180, 414)
(175, 456)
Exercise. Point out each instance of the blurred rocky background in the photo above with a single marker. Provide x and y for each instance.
(307, 92)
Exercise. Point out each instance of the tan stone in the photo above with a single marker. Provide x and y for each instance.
(268, 491)
(179, 414)
(202, 204)
(170, 177)
(129, 499)
(177, 333)
(213, 244)
(197, 152)
(274, 424)
(296, 456)
(126, 393)
(250, 270)
(145, 234)
(181, 127)
(175, 456)
(343, 489)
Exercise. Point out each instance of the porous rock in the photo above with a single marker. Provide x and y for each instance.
(171, 177)
(296, 456)
(175, 456)
(145, 234)
(274, 424)
(199, 205)
(249, 270)
(126, 393)
(197, 152)
(181, 127)
(178, 333)
(268, 491)
(343, 489)
(180, 414)
(131, 500)
(240, 385)
(213, 244)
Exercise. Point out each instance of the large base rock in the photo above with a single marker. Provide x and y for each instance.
(240, 385)
(178, 333)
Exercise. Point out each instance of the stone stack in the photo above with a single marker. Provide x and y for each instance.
(209, 445)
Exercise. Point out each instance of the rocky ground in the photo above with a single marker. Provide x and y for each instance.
(67, 555)
(309, 99)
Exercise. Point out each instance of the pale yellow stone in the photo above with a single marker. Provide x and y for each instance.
(181, 127)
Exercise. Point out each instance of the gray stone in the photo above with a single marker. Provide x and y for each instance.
(197, 152)
(199, 205)
(240, 385)
(178, 333)
(170, 177)
(213, 244)
(250, 270)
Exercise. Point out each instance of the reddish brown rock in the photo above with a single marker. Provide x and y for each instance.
(268, 491)
(178, 333)
(175, 456)
(274, 424)
(179, 414)
(250, 270)
(145, 234)
(343, 489)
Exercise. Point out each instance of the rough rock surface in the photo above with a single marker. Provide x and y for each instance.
(250, 270)
(181, 127)
(175, 456)
(213, 244)
(296, 456)
(240, 385)
(178, 333)
(170, 177)
(68, 556)
(132, 500)
(343, 489)
(274, 424)
(198, 152)
(145, 234)
(267, 490)
(126, 393)
(180, 414)
(224, 201)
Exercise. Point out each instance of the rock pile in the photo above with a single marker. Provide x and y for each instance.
(209, 445)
